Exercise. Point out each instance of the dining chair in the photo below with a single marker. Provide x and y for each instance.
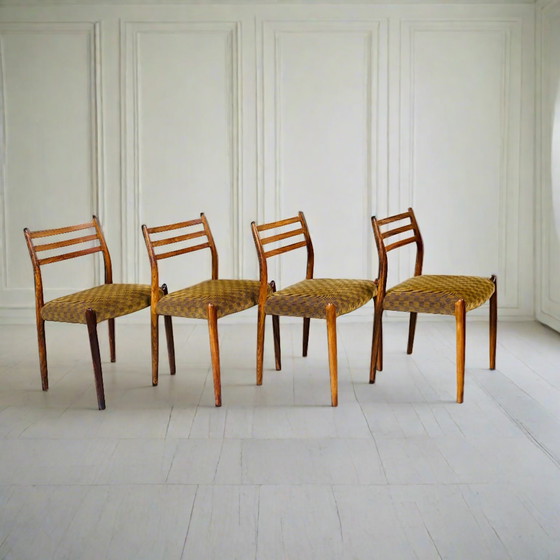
(209, 300)
(104, 302)
(317, 298)
(423, 293)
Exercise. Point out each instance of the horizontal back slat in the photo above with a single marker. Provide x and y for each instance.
(280, 236)
(400, 243)
(182, 251)
(285, 249)
(71, 255)
(278, 224)
(59, 231)
(178, 238)
(396, 231)
(178, 225)
(65, 243)
(395, 218)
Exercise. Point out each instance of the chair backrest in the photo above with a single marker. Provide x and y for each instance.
(294, 230)
(176, 239)
(385, 230)
(66, 248)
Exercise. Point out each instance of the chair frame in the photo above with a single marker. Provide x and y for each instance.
(460, 311)
(91, 320)
(263, 256)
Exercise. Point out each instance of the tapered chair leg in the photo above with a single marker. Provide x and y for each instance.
(460, 324)
(91, 321)
(333, 362)
(215, 352)
(305, 344)
(411, 332)
(112, 346)
(154, 320)
(276, 335)
(42, 354)
(380, 349)
(260, 344)
(493, 323)
(168, 322)
(376, 346)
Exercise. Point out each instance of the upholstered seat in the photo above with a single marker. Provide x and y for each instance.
(309, 298)
(438, 293)
(108, 301)
(228, 296)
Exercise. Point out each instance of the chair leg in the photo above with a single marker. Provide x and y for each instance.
(42, 354)
(91, 321)
(376, 344)
(215, 352)
(276, 335)
(460, 323)
(306, 323)
(260, 343)
(168, 322)
(333, 362)
(380, 349)
(411, 332)
(112, 347)
(154, 320)
(493, 323)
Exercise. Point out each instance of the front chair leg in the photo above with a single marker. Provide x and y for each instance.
(333, 362)
(376, 361)
(460, 323)
(260, 343)
(112, 347)
(411, 332)
(154, 321)
(91, 321)
(215, 352)
(306, 324)
(276, 335)
(168, 322)
(42, 354)
(493, 323)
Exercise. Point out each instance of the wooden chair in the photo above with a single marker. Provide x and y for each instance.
(319, 298)
(100, 303)
(442, 294)
(208, 300)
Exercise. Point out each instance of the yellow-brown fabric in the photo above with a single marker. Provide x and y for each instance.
(229, 296)
(309, 298)
(438, 294)
(108, 301)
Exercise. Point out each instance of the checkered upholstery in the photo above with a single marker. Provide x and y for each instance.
(309, 298)
(108, 301)
(229, 296)
(438, 294)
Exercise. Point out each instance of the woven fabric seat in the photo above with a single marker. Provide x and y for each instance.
(228, 296)
(108, 301)
(438, 294)
(309, 298)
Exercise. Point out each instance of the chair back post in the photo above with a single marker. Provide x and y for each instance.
(419, 244)
(310, 251)
(213, 249)
(382, 257)
(104, 249)
(263, 268)
(37, 276)
(155, 292)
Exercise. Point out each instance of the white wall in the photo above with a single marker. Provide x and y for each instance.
(548, 165)
(151, 114)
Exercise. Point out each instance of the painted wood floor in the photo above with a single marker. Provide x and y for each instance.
(397, 471)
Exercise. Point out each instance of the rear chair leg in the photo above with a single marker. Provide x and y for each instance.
(493, 323)
(306, 323)
(112, 347)
(260, 343)
(411, 332)
(215, 352)
(168, 322)
(376, 344)
(276, 335)
(91, 321)
(460, 315)
(43, 354)
(333, 362)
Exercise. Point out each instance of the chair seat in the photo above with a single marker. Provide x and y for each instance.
(229, 296)
(438, 294)
(309, 298)
(108, 301)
